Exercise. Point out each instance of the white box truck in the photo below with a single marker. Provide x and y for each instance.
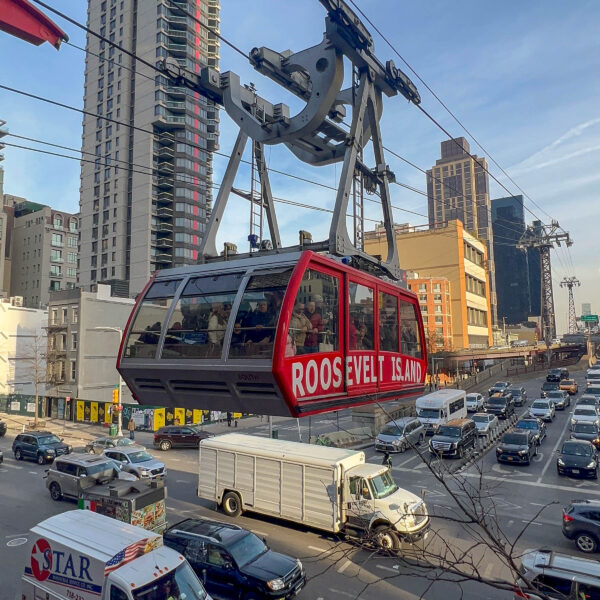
(441, 406)
(332, 489)
(81, 555)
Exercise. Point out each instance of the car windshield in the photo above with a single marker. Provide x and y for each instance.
(449, 431)
(49, 439)
(383, 485)
(514, 390)
(550, 385)
(125, 442)
(496, 400)
(138, 457)
(587, 400)
(575, 449)
(527, 425)
(471, 398)
(568, 382)
(428, 413)
(247, 549)
(181, 583)
(555, 394)
(587, 412)
(539, 405)
(103, 470)
(500, 384)
(392, 429)
(515, 439)
(481, 418)
(585, 428)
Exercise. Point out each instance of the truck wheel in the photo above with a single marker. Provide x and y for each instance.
(165, 445)
(55, 492)
(40, 459)
(386, 538)
(232, 504)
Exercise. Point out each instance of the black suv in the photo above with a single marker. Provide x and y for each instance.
(179, 436)
(42, 446)
(549, 386)
(581, 522)
(517, 447)
(2, 428)
(501, 405)
(499, 386)
(519, 394)
(454, 438)
(536, 426)
(557, 374)
(233, 562)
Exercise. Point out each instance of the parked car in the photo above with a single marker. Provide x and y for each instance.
(577, 457)
(485, 423)
(474, 402)
(135, 460)
(581, 522)
(2, 428)
(517, 447)
(543, 409)
(586, 414)
(519, 394)
(558, 576)
(587, 431)
(499, 386)
(548, 386)
(537, 426)
(179, 436)
(500, 405)
(559, 398)
(233, 561)
(454, 438)
(398, 435)
(569, 385)
(99, 445)
(557, 374)
(41, 446)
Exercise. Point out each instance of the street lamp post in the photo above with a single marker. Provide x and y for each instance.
(433, 368)
(119, 405)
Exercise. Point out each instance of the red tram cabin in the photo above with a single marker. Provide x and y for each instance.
(291, 334)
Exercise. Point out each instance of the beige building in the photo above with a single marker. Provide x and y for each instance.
(453, 253)
(84, 333)
(44, 252)
(146, 199)
(458, 188)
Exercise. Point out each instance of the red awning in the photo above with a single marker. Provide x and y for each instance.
(21, 19)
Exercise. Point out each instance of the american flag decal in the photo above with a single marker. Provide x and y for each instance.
(125, 556)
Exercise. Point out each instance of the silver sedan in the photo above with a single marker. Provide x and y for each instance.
(486, 423)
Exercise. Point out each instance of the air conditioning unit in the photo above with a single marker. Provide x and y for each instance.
(17, 300)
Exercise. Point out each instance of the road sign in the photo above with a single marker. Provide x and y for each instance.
(590, 318)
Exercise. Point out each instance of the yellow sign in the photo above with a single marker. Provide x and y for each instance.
(80, 410)
(94, 412)
(197, 416)
(179, 416)
(115, 396)
(159, 418)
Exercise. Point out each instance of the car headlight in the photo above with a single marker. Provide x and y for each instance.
(275, 584)
(573, 422)
(498, 450)
(396, 442)
(50, 451)
(299, 565)
(521, 452)
(144, 472)
(70, 448)
(561, 462)
(592, 465)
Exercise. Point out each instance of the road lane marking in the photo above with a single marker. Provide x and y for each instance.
(341, 593)
(488, 571)
(9, 466)
(344, 566)
(536, 504)
(550, 486)
(390, 569)
(553, 453)
(531, 522)
(405, 462)
(319, 550)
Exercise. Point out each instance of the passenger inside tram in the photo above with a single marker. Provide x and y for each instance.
(300, 326)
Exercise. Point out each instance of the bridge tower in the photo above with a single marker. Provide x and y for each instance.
(570, 283)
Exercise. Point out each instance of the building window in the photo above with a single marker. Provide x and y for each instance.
(56, 255)
(75, 315)
(55, 271)
(57, 239)
(54, 316)
(54, 286)
(73, 370)
(74, 341)
(65, 316)
(422, 287)
(72, 242)
(58, 222)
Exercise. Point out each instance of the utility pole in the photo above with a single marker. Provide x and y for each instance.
(543, 237)
(570, 283)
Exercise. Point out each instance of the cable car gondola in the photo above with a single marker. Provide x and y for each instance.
(288, 334)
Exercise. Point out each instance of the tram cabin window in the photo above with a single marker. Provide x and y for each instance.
(314, 324)
(256, 321)
(147, 326)
(411, 339)
(199, 320)
(360, 317)
(388, 323)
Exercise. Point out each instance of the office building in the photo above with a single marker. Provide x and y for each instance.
(458, 188)
(84, 334)
(44, 252)
(586, 308)
(436, 309)
(449, 252)
(146, 198)
(512, 273)
(22, 348)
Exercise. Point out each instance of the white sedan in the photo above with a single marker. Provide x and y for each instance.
(486, 423)
(474, 402)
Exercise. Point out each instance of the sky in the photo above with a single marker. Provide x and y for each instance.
(523, 77)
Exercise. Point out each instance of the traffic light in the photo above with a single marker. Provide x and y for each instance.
(115, 396)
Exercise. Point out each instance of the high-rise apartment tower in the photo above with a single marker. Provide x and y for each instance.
(145, 198)
(458, 188)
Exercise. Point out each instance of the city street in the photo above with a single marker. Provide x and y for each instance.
(338, 569)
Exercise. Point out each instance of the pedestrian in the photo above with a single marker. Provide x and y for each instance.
(131, 427)
(229, 416)
(387, 460)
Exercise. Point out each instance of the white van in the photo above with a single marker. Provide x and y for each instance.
(439, 407)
